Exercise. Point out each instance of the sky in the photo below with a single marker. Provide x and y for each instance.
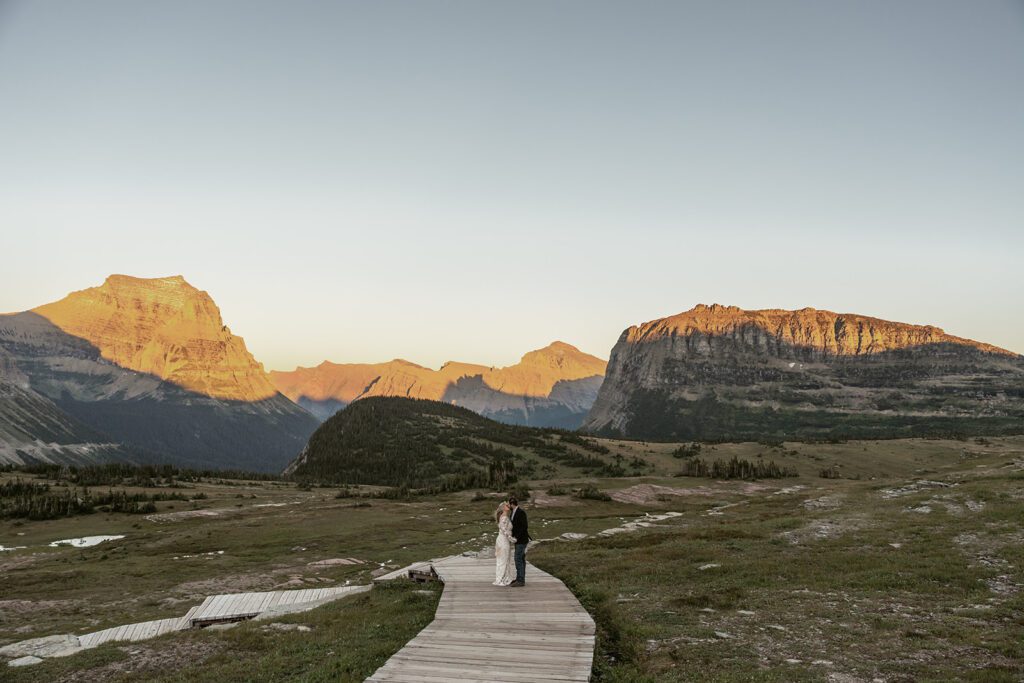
(358, 181)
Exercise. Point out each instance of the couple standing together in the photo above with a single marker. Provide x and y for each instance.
(513, 536)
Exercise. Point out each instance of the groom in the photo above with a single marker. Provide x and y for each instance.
(521, 533)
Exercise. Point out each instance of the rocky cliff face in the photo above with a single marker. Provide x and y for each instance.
(722, 372)
(553, 386)
(163, 327)
(149, 364)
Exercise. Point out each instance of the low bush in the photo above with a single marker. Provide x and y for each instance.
(592, 493)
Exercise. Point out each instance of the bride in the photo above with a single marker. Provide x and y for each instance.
(504, 570)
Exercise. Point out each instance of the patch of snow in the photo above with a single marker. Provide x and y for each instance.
(914, 487)
(85, 541)
(24, 661)
(335, 561)
(212, 553)
(789, 489)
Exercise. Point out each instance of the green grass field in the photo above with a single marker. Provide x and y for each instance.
(853, 579)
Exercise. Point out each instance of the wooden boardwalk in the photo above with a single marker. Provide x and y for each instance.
(240, 606)
(489, 634)
(216, 609)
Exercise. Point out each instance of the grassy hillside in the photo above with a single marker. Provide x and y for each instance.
(417, 443)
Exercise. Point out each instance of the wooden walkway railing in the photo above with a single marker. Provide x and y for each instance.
(489, 634)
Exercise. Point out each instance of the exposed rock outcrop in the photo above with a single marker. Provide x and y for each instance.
(553, 386)
(722, 372)
(146, 364)
(163, 327)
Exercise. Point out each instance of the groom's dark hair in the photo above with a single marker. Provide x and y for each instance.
(512, 501)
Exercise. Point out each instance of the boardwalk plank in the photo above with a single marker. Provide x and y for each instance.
(489, 633)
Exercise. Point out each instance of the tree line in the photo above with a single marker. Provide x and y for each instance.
(736, 468)
(125, 474)
(36, 501)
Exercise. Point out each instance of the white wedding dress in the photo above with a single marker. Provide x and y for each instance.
(504, 566)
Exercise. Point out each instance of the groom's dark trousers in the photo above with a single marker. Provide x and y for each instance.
(520, 532)
(521, 562)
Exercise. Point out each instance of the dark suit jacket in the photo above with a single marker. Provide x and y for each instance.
(520, 526)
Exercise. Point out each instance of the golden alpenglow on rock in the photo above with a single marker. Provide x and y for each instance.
(164, 327)
(819, 333)
(552, 387)
(539, 371)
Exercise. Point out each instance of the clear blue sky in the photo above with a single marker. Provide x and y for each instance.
(471, 180)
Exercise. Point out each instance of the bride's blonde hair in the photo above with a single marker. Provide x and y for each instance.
(497, 513)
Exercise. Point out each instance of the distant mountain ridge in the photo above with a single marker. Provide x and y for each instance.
(149, 366)
(723, 372)
(550, 387)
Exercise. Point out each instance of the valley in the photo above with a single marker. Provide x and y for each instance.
(318, 318)
(917, 543)
(746, 491)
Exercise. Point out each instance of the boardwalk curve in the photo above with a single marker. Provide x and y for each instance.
(216, 609)
(489, 634)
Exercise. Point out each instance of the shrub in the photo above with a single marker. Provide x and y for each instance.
(592, 493)
(521, 492)
(687, 450)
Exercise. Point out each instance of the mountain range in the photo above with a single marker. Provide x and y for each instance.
(550, 387)
(144, 370)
